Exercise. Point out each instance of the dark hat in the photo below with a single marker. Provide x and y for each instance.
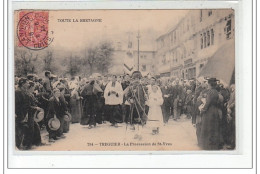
(31, 83)
(22, 81)
(29, 76)
(210, 80)
(136, 74)
(47, 72)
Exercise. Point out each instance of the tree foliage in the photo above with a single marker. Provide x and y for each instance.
(48, 61)
(74, 65)
(94, 58)
(105, 53)
(25, 62)
(98, 58)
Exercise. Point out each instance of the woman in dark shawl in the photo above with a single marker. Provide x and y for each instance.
(210, 136)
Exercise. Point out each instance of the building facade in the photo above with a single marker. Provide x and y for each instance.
(185, 49)
(125, 58)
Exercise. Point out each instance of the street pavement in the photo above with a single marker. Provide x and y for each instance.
(175, 136)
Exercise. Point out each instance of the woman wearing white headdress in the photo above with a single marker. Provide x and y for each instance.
(155, 117)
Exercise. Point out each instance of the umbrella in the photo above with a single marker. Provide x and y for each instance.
(221, 65)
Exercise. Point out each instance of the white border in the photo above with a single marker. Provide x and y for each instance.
(242, 159)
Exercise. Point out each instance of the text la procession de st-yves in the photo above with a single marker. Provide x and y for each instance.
(133, 144)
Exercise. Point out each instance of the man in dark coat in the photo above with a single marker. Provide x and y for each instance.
(25, 107)
(57, 106)
(167, 101)
(136, 96)
(47, 83)
(126, 105)
(22, 110)
(100, 103)
(89, 105)
(178, 98)
(210, 134)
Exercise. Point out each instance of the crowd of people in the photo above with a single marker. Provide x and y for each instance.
(53, 103)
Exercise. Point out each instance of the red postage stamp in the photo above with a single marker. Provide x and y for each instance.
(32, 29)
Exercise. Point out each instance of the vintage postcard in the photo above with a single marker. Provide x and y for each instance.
(124, 80)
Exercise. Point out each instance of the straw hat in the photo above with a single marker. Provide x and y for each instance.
(54, 123)
(39, 115)
(67, 117)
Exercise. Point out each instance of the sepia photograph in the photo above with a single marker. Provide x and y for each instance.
(124, 80)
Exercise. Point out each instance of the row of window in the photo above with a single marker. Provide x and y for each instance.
(207, 38)
(183, 28)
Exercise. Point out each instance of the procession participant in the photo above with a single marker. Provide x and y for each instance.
(119, 79)
(16, 82)
(75, 105)
(66, 125)
(73, 82)
(137, 96)
(103, 85)
(126, 104)
(100, 95)
(151, 82)
(225, 93)
(231, 119)
(126, 81)
(53, 79)
(31, 77)
(155, 117)
(210, 128)
(177, 99)
(64, 84)
(57, 107)
(34, 129)
(89, 104)
(47, 83)
(192, 85)
(188, 103)
(57, 83)
(167, 101)
(43, 99)
(22, 110)
(198, 90)
(113, 95)
(104, 82)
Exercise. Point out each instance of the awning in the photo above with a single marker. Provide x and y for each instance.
(222, 64)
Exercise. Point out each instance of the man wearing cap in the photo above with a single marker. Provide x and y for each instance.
(47, 83)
